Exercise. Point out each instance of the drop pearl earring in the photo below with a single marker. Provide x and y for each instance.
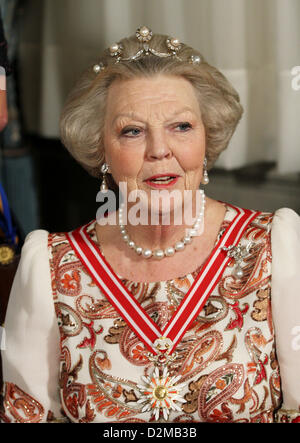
(205, 178)
(104, 170)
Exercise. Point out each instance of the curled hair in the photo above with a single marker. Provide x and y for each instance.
(82, 118)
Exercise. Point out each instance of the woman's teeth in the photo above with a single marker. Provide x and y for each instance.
(166, 179)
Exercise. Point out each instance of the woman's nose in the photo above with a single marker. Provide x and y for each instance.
(158, 147)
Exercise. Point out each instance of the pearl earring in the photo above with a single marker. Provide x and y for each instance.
(205, 178)
(104, 170)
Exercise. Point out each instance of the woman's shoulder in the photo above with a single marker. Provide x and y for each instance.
(34, 259)
(34, 243)
(285, 230)
(36, 237)
(286, 217)
(285, 236)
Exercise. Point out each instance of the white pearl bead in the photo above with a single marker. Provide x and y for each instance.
(158, 253)
(175, 42)
(147, 253)
(193, 232)
(144, 31)
(97, 69)
(114, 47)
(238, 272)
(126, 237)
(179, 246)
(123, 231)
(131, 244)
(187, 240)
(138, 250)
(169, 251)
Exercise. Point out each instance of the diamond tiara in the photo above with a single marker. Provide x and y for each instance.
(144, 35)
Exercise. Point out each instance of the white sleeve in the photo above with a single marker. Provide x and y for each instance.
(285, 238)
(32, 348)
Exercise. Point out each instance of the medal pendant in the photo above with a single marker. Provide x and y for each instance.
(160, 392)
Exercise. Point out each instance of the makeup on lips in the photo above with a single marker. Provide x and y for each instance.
(162, 180)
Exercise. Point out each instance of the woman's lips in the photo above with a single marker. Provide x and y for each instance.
(162, 180)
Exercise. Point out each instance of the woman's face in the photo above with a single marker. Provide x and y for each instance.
(154, 136)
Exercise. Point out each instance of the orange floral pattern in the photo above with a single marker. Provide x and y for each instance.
(69, 281)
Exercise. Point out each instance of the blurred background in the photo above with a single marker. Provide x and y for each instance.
(255, 43)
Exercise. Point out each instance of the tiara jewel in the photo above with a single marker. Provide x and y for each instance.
(144, 35)
(173, 44)
(115, 49)
(195, 59)
(98, 67)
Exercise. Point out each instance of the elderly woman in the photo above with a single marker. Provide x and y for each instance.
(165, 321)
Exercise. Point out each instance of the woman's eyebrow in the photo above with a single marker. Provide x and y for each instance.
(130, 115)
(136, 117)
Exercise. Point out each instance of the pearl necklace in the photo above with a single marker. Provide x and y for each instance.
(168, 252)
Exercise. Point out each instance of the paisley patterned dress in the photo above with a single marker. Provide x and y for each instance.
(226, 359)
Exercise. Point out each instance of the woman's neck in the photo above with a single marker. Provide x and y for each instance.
(167, 229)
(156, 236)
(128, 264)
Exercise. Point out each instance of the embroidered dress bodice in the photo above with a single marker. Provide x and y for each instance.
(226, 358)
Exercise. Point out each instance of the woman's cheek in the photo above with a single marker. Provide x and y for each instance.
(126, 169)
(192, 163)
(123, 161)
(129, 164)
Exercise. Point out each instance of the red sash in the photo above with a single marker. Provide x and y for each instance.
(127, 306)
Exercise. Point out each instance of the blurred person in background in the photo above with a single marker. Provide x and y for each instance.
(4, 70)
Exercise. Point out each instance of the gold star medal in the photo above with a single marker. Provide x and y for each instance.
(7, 254)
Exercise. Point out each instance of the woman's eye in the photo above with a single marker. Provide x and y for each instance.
(185, 126)
(131, 132)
